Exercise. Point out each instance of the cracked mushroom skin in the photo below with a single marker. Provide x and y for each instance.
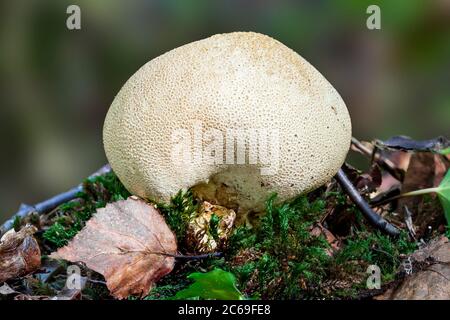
(236, 116)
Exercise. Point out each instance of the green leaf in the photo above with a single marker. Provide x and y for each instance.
(216, 284)
(443, 192)
(445, 151)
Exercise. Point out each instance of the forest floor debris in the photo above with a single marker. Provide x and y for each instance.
(317, 246)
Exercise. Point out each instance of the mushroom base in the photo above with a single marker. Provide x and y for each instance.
(240, 189)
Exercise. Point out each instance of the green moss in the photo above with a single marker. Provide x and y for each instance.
(93, 291)
(167, 287)
(293, 263)
(377, 249)
(291, 258)
(339, 197)
(244, 272)
(109, 182)
(213, 227)
(17, 223)
(72, 216)
(179, 212)
(165, 292)
(60, 235)
(41, 288)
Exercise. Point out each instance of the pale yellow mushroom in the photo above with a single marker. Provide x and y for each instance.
(237, 116)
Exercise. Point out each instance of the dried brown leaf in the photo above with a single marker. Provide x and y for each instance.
(425, 170)
(129, 243)
(19, 253)
(199, 236)
(334, 242)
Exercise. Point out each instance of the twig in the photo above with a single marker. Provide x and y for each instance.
(374, 219)
(97, 281)
(180, 256)
(199, 257)
(49, 204)
(385, 163)
(409, 223)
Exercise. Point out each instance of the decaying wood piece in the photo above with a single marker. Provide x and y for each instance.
(19, 253)
(431, 282)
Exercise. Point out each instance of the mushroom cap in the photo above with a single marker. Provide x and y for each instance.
(237, 115)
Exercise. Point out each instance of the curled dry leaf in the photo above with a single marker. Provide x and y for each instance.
(19, 253)
(129, 243)
(200, 235)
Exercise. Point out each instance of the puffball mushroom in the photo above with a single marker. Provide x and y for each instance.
(236, 117)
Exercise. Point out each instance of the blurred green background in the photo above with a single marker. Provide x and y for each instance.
(56, 84)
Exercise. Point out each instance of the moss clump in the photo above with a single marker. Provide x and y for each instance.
(17, 223)
(287, 258)
(280, 258)
(375, 248)
(165, 292)
(71, 217)
(178, 213)
(59, 234)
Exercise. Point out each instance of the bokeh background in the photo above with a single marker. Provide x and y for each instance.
(56, 85)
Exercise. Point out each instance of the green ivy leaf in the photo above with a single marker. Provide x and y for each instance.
(216, 284)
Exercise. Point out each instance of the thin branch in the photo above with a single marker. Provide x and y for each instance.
(49, 204)
(409, 223)
(385, 163)
(199, 257)
(176, 256)
(374, 219)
